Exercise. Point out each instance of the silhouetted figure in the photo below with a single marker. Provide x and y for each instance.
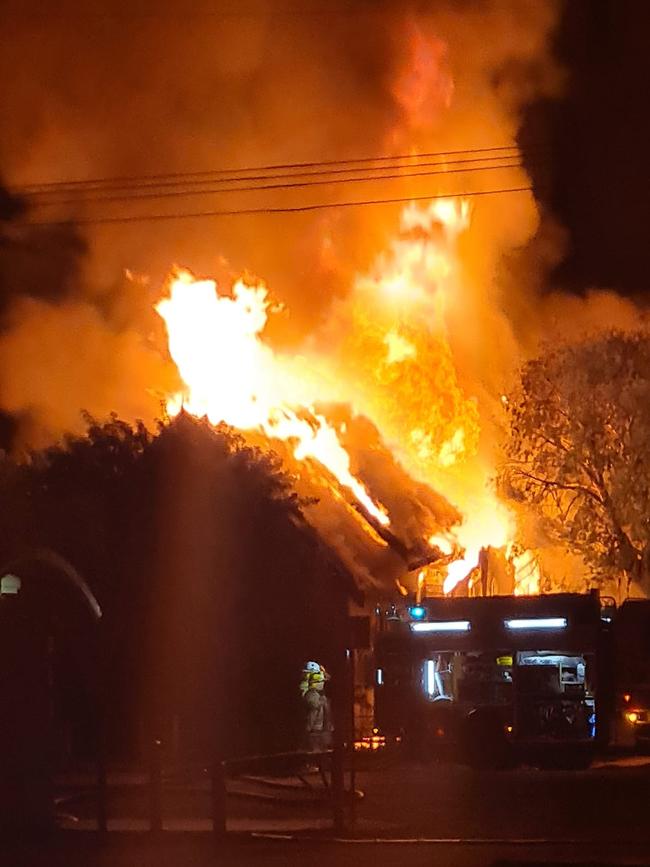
(318, 721)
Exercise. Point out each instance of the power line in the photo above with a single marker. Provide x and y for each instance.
(209, 174)
(146, 218)
(145, 185)
(139, 196)
(218, 15)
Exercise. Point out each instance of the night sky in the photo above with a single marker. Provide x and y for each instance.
(598, 134)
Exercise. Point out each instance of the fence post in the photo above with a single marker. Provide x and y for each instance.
(352, 794)
(155, 787)
(340, 715)
(101, 778)
(338, 782)
(102, 792)
(218, 799)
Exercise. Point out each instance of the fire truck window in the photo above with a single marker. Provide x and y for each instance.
(554, 695)
(467, 677)
(396, 670)
(555, 673)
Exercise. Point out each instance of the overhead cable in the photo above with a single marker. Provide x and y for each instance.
(189, 215)
(139, 196)
(29, 189)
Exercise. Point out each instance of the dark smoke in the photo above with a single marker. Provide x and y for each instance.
(99, 89)
(64, 350)
(102, 90)
(41, 262)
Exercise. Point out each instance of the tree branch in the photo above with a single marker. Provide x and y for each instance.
(548, 483)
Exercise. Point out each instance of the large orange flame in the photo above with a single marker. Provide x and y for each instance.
(394, 336)
(232, 376)
(387, 355)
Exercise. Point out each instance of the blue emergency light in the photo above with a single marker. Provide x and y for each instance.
(418, 612)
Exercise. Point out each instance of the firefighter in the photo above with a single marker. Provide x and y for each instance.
(318, 725)
(309, 671)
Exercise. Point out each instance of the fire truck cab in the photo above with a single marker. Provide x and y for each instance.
(630, 654)
(499, 679)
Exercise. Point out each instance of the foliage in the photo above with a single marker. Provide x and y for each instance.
(578, 453)
(195, 545)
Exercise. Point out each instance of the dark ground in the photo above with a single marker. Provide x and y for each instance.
(610, 801)
(600, 816)
(199, 851)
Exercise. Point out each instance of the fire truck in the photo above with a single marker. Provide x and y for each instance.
(502, 679)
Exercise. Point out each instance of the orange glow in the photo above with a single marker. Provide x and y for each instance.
(528, 574)
(385, 353)
(442, 543)
(394, 336)
(421, 583)
(232, 376)
(373, 743)
(460, 569)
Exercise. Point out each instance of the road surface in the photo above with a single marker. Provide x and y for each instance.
(198, 851)
(424, 813)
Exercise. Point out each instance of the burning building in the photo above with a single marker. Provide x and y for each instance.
(360, 313)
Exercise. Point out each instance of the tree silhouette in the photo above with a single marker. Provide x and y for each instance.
(214, 589)
(577, 451)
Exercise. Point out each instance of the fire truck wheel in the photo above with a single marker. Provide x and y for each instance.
(574, 760)
(484, 741)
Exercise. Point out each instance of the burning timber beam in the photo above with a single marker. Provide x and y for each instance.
(414, 558)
